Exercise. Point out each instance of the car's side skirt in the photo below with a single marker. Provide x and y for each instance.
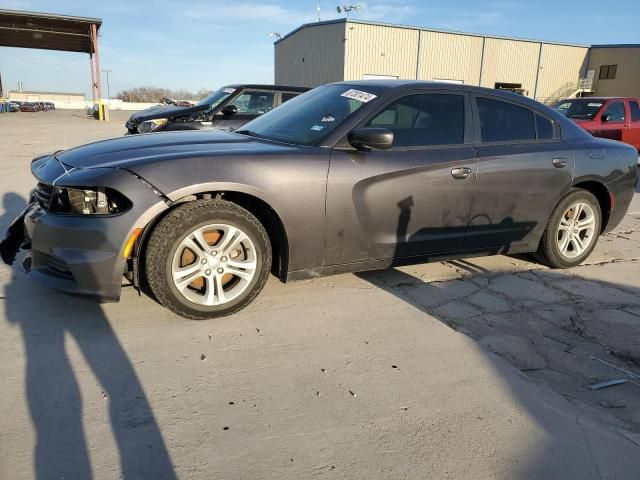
(381, 264)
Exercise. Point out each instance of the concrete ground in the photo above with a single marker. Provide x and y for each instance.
(471, 369)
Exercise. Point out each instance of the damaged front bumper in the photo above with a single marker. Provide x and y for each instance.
(13, 237)
(80, 254)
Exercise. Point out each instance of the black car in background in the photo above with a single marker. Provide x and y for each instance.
(227, 108)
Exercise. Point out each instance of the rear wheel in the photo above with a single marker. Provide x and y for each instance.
(572, 231)
(207, 258)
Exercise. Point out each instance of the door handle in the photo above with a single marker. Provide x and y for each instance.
(460, 172)
(559, 162)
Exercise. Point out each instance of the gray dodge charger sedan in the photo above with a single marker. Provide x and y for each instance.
(349, 176)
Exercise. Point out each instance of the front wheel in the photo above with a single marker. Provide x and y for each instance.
(207, 258)
(572, 231)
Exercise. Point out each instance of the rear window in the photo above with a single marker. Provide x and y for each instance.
(635, 111)
(544, 128)
(504, 122)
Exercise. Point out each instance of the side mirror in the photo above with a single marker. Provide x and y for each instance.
(229, 110)
(606, 118)
(371, 138)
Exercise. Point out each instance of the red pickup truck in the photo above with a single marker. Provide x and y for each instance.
(615, 118)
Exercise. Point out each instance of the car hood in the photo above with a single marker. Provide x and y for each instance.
(130, 151)
(166, 111)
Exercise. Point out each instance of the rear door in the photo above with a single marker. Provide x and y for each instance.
(631, 134)
(523, 169)
(413, 199)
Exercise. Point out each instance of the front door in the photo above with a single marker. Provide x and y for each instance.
(413, 199)
(250, 104)
(611, 121)
(523, 168)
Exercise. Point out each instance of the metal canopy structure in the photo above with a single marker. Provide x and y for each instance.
(50, 31)
(47, 31)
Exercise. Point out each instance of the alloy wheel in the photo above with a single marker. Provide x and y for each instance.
(576, 230)
(214, 264)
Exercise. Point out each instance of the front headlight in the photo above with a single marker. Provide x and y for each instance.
(149, 126)
(88, 201)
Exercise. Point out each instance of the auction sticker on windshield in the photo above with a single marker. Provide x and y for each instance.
(228, 90)
(359, 95)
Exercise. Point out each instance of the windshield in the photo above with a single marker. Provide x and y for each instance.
(579, 109)
(217, 97)
(310, 117)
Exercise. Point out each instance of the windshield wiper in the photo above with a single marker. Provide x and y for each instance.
(248, 133)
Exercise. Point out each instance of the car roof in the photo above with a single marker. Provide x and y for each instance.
(288, 88)
(424, 84)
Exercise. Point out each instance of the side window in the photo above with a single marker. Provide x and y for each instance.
(615, 111)
(505, 122)
(288, 96)
(252, 101)
(544, 128)
(635, 111)
(423, 120)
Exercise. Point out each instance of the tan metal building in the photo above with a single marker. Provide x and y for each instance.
(347, 49)
(616, 70)
(26, 96)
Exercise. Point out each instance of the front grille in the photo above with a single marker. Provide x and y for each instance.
(44, 193)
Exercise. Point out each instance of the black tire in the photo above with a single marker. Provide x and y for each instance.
(548, 251)
(166, 238)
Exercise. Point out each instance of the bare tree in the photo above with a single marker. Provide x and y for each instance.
(155, 94)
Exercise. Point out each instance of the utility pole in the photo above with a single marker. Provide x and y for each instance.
(108, 86)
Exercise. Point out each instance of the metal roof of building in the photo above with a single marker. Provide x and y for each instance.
(617, 45)
(426, 29)
(46, 31)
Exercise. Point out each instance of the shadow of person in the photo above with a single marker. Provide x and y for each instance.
(409, 246)
(46, 320)
(575, 440)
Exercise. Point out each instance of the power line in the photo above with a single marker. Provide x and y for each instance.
(42, 64)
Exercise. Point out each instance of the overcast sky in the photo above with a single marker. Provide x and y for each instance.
(208, 43)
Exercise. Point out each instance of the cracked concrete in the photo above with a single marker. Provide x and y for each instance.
(545, 321)
(475, 368)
